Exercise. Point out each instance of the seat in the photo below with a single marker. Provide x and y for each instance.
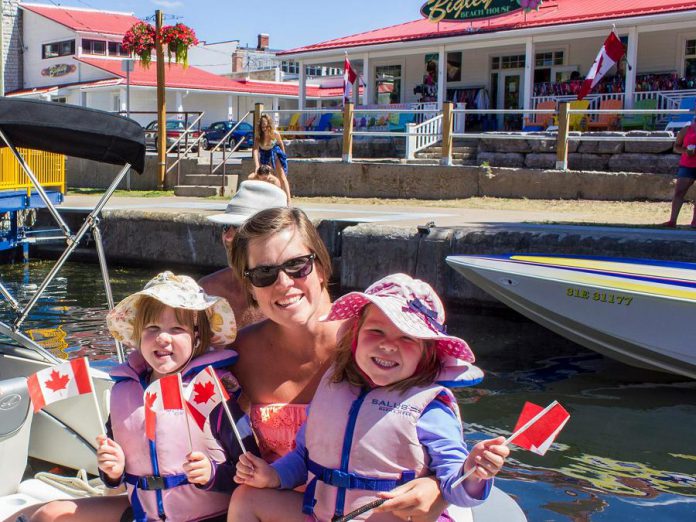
(15, 425)
(678, 121)
(575, 121)
(324, 123)
(540, 121)
(293, 122)
(606, 121)
(640, 121)
(336, 121)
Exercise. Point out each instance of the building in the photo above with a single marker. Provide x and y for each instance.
(516, 59)
(74, 55)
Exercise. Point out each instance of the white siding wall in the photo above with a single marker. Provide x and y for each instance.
(38, 31)
(659, 52)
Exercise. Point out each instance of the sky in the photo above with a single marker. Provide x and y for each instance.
(290, 23)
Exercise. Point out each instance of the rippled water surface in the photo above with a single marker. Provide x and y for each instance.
(628, 452)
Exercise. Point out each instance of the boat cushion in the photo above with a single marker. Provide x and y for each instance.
(14, 406)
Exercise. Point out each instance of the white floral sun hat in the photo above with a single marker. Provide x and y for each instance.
(412, 306)
(177, 291)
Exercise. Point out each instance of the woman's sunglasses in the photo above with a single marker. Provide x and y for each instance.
(297, 267)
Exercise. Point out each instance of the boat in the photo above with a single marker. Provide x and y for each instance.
(637, 311)
(63, 433)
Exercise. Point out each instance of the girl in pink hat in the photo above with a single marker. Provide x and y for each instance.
(380, 417)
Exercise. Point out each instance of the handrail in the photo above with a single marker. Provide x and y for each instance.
(184, 135)
(222, 141)
(423, 135)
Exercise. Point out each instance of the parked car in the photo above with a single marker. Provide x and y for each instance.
(217, 131)
(175, 128)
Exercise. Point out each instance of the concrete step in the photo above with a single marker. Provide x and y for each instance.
(197, 191)
(208, 179)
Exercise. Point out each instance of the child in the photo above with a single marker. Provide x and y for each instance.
(378, 419)
(175, 323)
(265, 173)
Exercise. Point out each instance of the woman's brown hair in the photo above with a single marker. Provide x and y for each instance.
(271, 221)
(271, 129)
(149, 311)
(346, 369)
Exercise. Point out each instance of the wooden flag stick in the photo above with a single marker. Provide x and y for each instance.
(102, 431)
(227, 410)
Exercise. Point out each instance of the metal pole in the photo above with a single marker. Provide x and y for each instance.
(37, 185)
(66, 253)
(161, 102)
(96, 234)
(7, 295)
(2, 47)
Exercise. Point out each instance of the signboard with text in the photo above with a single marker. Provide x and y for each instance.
(463, 10)
(60, 69)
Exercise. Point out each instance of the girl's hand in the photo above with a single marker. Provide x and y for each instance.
(198, 468)
(256, 472)
(487, 457)
(110, 458)
(418, 500)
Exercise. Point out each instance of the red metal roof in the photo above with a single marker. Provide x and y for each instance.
(194, 78)
(85, 20)
(552, 12)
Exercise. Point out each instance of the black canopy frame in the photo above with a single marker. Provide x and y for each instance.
(79, 132)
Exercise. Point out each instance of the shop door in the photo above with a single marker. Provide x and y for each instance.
(510, 96)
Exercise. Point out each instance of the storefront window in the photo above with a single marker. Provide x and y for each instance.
(516, 61)
(94, 47)
(547, 59)
(116, 49)
(388, 84)
(55, 49)
(690, 59)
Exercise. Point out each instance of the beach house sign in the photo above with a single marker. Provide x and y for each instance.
(462, 10)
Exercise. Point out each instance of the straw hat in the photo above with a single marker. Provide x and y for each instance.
(412, 306)
(251, 197)
(177, 291)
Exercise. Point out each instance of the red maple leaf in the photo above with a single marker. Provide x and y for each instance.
(57, 381)
(203, 392)
(150, 399)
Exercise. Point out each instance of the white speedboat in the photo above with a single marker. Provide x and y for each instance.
(636, 311)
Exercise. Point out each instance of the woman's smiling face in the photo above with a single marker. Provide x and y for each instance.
(287, 300)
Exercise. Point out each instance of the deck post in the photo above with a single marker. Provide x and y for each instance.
(348, 132)
(446, 158)
(161, 102)
(258, 111)
(562, 138)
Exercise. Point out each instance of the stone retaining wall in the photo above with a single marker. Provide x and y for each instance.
(587, 155)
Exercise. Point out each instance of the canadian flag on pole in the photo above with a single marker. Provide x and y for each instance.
(202, 395)
(349, 77)
(610, 54)
(538, 427)
(163, 394)
(59, 382)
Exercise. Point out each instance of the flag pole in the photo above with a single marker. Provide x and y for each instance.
(102, 431)
(227, 410)
(507, 441)
(188, 425)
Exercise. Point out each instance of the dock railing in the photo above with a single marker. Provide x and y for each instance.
(49, 168)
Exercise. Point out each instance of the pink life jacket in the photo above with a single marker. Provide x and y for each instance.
(360, 442)
(156, 483)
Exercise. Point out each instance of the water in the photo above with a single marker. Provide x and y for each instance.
(629, 444)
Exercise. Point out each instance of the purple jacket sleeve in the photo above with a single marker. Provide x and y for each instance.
(292, 467)
(440, 431)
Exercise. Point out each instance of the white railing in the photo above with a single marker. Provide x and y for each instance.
(422, 135)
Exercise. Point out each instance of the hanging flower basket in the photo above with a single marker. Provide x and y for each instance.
(140, 40)
(178, 38)
(529, 5)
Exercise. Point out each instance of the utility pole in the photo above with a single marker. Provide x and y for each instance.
(161, 102)
(2, 47)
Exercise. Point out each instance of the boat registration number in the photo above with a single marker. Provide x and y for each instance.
(601, 297)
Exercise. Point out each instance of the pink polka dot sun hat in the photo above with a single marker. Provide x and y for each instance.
(411, 305)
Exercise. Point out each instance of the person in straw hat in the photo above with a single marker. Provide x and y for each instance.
(383, 396)
(173, 327)
(252, 196)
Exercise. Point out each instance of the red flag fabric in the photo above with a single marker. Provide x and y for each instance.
(539, 436)
(202, 395)
(163, 394)
(349, 77)
(610, 53)
(59, 382)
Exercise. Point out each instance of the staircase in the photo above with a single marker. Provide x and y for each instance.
(195, 179)
(464, 152)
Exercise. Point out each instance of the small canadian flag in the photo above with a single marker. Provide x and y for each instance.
(538, 427)
(59, 382)
(203, 394)
(163, 394)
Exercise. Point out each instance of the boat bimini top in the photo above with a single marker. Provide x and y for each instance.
(73, 131)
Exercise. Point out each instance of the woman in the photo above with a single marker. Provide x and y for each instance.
(285, 269)
(269, 149)
(686, 174)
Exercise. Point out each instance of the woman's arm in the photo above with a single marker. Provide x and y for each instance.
(279, 139)
(679, 143)
(255, 155)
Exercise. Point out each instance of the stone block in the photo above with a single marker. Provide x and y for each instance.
(542, 146)
(602, 146)
(528, 183)
(598, 162)
(636, 162)
(501, 159)
(649, 147)
(513, 144)
(540, 161)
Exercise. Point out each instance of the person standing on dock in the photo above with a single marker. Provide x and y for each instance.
(686, 174)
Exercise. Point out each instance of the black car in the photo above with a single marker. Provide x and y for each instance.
(217, 131)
